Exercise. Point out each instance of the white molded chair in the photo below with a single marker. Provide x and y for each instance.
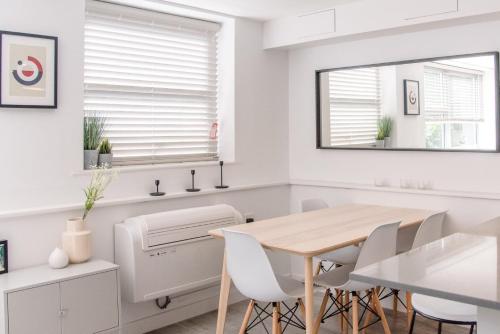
(444, 312)
(253, 275)
(380, 245)
(343, 256)
(441, 310)
(430, 230)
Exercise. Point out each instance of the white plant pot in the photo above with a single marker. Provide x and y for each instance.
(77, 242)
(90, 158)
(388, 142)
(379, 143)
(106, 160)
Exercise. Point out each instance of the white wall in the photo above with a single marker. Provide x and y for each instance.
(452, 171)
(42, 149)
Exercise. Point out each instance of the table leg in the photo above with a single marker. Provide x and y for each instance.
(309, 294)
(225, 286)
(409, 308)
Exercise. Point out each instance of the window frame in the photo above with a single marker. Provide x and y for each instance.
(225, 105)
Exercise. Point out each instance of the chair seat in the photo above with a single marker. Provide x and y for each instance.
(338, 278)
(290, 286)
(444, 309)
(343, 256)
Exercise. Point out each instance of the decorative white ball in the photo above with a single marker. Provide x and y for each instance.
(58, 259)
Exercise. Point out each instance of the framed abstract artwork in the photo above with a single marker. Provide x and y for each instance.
(412, 97)
(28, 70)
(4, 257)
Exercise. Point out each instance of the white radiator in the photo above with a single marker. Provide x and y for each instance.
(169, 253)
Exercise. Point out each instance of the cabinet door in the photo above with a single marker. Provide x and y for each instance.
(34, 310)
(90, 303)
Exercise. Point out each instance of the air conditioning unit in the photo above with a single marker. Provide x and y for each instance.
(170, 253)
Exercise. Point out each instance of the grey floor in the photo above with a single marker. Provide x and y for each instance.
(205, 324)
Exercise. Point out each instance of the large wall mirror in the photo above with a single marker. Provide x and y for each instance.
(439, 104)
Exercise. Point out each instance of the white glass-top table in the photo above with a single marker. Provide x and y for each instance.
(463, 267)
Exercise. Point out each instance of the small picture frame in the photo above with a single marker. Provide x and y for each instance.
(412, 97)
(28, 70)
(4, 257)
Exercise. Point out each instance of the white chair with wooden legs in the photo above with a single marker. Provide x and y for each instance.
(430, 230)
(380, 245)
(252, 274)
(343, 256)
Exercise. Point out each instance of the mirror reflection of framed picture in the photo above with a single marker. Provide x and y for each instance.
(28, 70)
(412, 97)
(4, 257)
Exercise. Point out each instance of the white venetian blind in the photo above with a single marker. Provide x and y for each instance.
(354, 106)
(452, 95)
(153, 76)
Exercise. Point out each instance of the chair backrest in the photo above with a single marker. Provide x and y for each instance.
(313, 204)
(430, 230)
(380, 245)
(250, 269)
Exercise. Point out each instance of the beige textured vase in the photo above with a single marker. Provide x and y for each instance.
(77, 241)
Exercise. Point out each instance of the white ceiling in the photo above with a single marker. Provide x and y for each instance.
(261, 9)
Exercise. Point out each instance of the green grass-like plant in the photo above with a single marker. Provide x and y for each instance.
(105, 147)
(385, 125)
(101, 178)
(93, 128)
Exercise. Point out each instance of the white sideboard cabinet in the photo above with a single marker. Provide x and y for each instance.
(79, 299)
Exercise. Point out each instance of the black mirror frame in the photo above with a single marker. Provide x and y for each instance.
(496, 56)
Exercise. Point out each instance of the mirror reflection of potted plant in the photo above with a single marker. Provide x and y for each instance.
(93, 127)
(386, 125)
(379, 140)
(105, 153)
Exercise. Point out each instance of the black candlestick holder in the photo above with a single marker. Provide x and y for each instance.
(158, 192)
(222, 185)
(192, 189)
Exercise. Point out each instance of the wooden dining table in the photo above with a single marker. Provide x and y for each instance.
(313, 233)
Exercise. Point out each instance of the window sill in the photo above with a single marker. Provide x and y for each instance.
(139, 168)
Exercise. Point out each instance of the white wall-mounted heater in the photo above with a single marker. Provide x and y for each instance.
(169, 253)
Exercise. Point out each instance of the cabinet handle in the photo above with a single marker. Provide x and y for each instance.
(63, 313)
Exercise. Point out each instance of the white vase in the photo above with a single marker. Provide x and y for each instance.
(379, 143)
(58, 259)
(77, 242)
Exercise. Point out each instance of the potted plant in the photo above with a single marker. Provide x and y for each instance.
(379, 140)
(105, 153)
(93, 128)
(386, 125)
(76, 240)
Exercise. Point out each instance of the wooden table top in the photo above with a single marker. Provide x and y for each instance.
(317, 232)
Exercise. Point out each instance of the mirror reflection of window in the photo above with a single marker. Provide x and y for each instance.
(453, 104)
(354, 106)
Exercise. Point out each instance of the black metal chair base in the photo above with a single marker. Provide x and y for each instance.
(336, 308)
(287, 319)
(440, 322)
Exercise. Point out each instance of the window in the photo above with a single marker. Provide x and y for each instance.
(354, 106)
(453, 107)
(154, 78)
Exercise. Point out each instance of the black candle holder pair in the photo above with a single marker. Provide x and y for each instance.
(221, 186)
